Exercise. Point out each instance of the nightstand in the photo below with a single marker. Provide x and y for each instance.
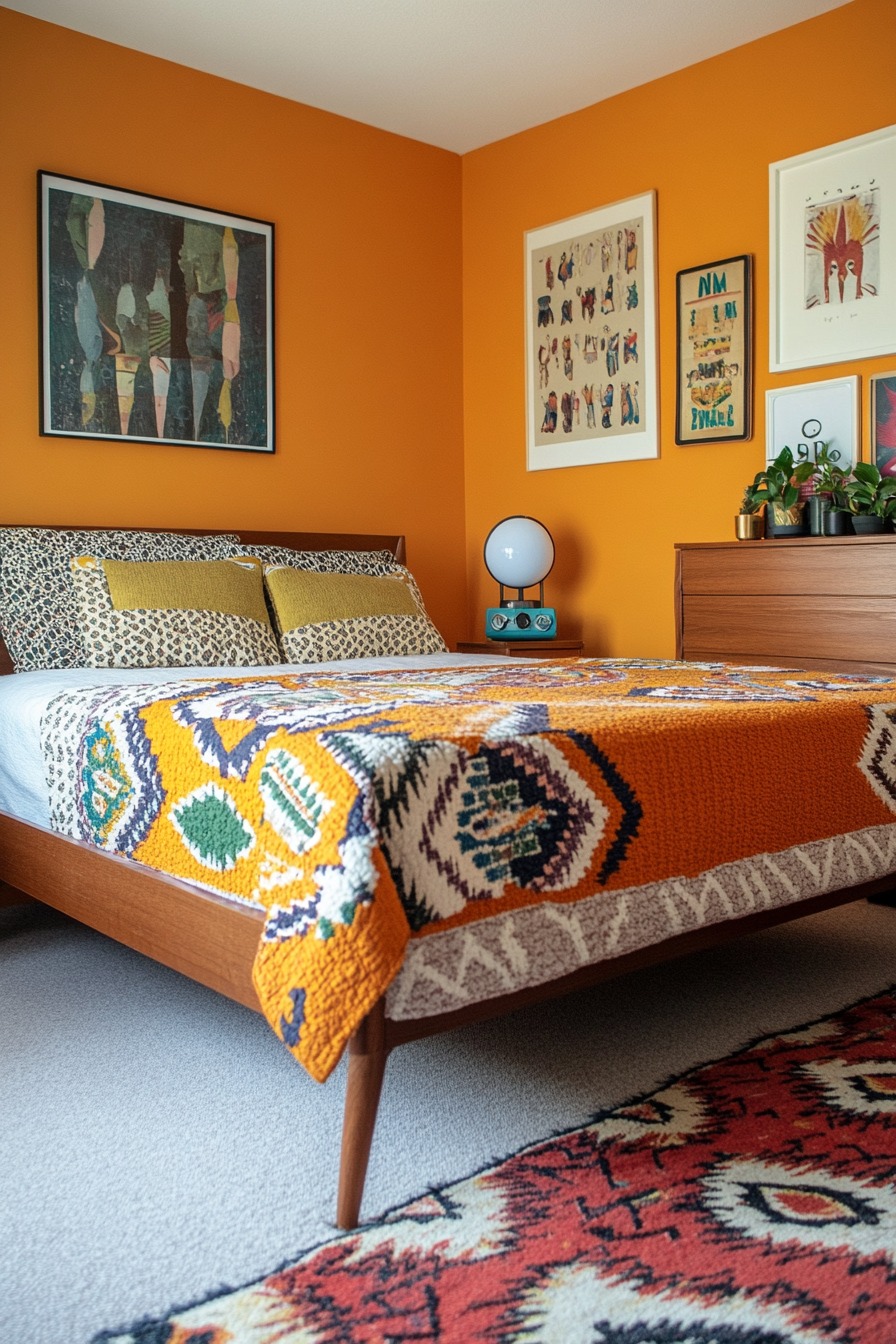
(525, 648)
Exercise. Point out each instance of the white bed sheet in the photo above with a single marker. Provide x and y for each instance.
(25, 695)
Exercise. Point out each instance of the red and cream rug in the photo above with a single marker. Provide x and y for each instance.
(752, 1201)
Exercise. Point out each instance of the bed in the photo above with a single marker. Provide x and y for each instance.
(215, 940)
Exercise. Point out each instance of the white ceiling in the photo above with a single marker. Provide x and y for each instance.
(454, 73)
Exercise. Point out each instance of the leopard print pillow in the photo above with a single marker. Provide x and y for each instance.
(361, 637)
(136, 637)
(39, 613)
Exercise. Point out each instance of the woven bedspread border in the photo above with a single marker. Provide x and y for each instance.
(520, 948)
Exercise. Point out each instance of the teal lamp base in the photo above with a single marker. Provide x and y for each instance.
(520, 623)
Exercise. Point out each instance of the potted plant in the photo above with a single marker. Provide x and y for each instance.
(872, 499)
(778, 488)
(828, 496)
(748, 524)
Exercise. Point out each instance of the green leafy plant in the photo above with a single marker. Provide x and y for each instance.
(778, 486)
(830, 479)
(868, 493)
(748, 504)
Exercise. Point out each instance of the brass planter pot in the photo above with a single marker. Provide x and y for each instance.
(749, 526)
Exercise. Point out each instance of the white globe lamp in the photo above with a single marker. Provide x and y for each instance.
(518, 553)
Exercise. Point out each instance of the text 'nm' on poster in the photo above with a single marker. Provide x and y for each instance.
(714, 385)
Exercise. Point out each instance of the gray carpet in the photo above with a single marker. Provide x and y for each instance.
(157, 1142)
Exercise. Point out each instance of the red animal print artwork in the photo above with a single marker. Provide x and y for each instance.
(843, 249)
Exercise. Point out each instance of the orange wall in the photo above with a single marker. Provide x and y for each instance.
(382, 425)
(368, 304)
(703, 138)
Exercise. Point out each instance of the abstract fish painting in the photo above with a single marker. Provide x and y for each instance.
(157, 320)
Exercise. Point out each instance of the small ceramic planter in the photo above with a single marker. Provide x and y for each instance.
(785, 522)
(749, 526)
(866, 524)
(838, 523)
(818, 506)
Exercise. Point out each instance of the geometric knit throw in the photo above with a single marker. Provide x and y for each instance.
(454, 808)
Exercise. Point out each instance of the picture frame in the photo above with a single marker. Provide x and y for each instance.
(592, 389)
(806, 417)
(714, 363)
(832, 240)
(156, 319)
(882, 422)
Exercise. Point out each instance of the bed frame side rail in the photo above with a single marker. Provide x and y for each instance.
(203, 936)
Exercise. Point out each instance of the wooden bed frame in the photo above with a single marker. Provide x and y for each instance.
(213, 940)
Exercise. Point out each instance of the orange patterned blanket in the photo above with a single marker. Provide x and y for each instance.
(369, 811)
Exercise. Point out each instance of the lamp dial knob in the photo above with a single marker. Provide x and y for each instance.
(498, 621)
(523, 620)
(542, 621)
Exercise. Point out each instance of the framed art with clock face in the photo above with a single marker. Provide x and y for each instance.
(814, 416)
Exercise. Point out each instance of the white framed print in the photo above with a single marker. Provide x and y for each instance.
(832, 222)
(591, 337)
(806, 418)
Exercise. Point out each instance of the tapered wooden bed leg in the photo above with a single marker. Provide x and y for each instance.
(366, 1066)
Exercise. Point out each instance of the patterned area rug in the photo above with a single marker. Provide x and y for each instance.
(752, 1201)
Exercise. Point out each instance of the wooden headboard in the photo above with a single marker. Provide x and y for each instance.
(295, 541)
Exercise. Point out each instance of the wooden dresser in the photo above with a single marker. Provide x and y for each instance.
(813, 602)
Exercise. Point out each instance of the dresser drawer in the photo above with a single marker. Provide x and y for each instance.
(763, 568)
(810, 626)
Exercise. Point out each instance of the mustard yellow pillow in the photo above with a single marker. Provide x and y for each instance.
(173, 613)
(227, 586)
(322, 617)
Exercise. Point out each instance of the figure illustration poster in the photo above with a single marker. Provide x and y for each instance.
(591, 337)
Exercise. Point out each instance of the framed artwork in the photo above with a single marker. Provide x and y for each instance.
(714, 391)
(807, 417)
(833, 253)
(882, 423)
(157, 319)
(591, 362)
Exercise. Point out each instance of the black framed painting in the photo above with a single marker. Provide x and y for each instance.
(157, 319)
(714, 367)
(882, 426)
